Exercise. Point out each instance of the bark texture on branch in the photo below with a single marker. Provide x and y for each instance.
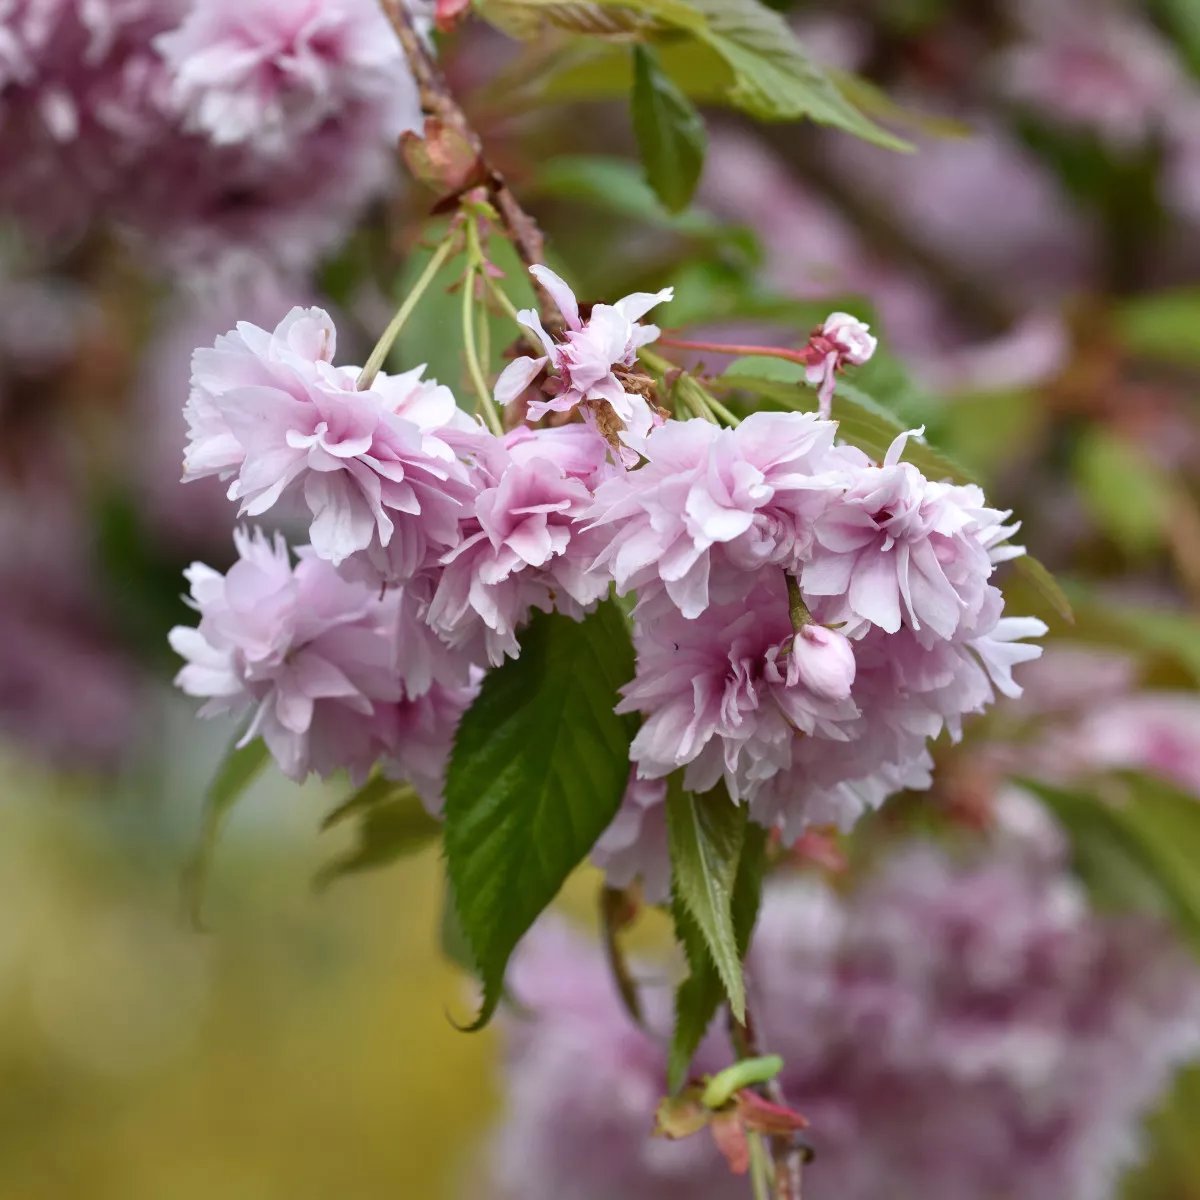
(438, 102)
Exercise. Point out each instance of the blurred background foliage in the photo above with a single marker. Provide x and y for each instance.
(1034, 274)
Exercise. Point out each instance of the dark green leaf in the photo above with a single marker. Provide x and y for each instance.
(393, 825)
(1143, 843)
(701, 993)
(238, 769)
(451, 938)
(670, 132)
(539, 767)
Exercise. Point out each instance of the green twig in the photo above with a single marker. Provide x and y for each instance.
(797, 609)
(487, 406)
(760, 1172)
(396, 324)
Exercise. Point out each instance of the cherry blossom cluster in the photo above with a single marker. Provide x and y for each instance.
(954, 1031)
(238, 128)
(806, 619)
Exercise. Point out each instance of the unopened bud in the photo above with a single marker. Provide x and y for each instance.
(823, 661)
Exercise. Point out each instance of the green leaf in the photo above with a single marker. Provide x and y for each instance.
(699, 996)
(1143, 844)
(538, 770)
(375, 791)
(1162, 325)
(1169, 639)
(393, 825)
(1127, 494)
(238, 769)
(876, 103)
(452, 940)
(1183, 18)
(774, 79)
(705, 834)
(1034, 572)
(670, 132)
(618, 187)
(757, 62)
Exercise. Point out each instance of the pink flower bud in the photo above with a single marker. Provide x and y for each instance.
(823, 661)
(851, 336)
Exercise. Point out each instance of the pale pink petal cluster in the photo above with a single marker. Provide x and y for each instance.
(581, 364)
(378, 470)
(522, 543)
(711, 504)
(266, 73)
(894, 547)
(718, 695)
(331, 673)
(222, 137)
(811, 728)
(811, 716)
(1097, 66)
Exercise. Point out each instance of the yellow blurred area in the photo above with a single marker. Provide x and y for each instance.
(300, 1048)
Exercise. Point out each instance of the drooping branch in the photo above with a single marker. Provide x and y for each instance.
(438, 102)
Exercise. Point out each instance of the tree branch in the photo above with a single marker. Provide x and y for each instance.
(437, 101)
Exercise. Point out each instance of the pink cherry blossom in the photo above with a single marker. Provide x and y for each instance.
(710, 504)
(306, 653)
(1103, 69)
(582, 364)
(893, 547)
(288, 125)
(378, 470)
(419, 731)
(268, 72)
(841, 340)
(907, 693)
(1157, 732)
(716, 697)
(522, 545)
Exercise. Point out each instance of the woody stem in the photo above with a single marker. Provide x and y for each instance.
(437, 101)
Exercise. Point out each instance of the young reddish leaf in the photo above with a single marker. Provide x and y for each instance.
(729, 1134)
(764, 1116)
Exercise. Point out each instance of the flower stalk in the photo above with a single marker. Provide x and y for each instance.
(387, 339)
